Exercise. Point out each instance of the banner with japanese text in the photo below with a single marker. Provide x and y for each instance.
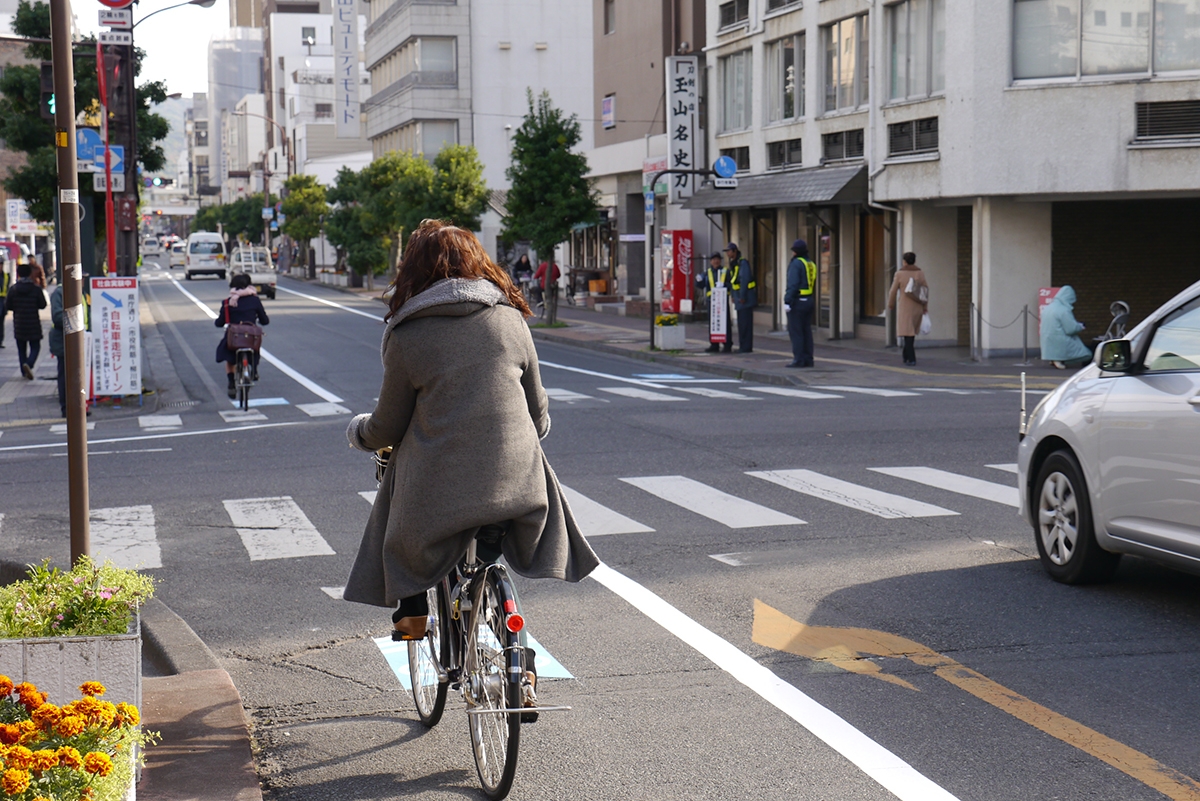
(682, 109)
(116, 337)
(346, 89)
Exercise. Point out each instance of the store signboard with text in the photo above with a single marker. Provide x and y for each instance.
(116, 337)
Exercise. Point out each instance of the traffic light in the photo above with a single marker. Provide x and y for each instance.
(47, 100)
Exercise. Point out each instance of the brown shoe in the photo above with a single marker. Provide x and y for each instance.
(410, 628)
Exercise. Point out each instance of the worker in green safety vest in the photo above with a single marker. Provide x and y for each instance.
(5, 278)
(718, 275)
(744, 291)
(799, 301)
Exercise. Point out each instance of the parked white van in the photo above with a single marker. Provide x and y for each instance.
(205, 254)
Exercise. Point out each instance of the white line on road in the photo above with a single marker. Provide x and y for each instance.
(267, 356)
(109, 453)
(369, 496)
(855, 496)
(640, 382)
(889, 770)
(160, 421)
(641, 394)
(238, 416)
(597, 520)
(883, 393)
(954, 391)
(709, 392)
(788, 392)
(142, 437)
(275, 528)
(376, 317)
(322, 409)
(566, 395)
(61, 428)
(335, 593)
(953, 482)
(125, 534)
(710, 502)
(1007, 468)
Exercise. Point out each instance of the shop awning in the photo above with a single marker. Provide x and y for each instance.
(817, 186)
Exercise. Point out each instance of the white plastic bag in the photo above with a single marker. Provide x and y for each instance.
(926, 325)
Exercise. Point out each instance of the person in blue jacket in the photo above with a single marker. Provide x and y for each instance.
(800, 302)
(1061, 343)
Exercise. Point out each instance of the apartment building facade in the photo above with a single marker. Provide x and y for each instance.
(1011, 145)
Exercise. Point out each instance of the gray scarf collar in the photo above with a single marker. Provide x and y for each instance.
(448, 291)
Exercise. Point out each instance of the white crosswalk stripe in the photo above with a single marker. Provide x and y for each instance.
(160, 421)
(1007, 468)
(883, 393)
(238, 416)
(275, 528)
(597, 520)
(712, 503)
(954, 391)
(126, 535)
(322, 409)
(641, 394)
(788, 392)
(566, 395)
(855, 496)
(369, 496)
(709, 392)
(953, 482)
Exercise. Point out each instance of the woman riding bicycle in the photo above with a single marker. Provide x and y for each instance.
(463, 407)
(242, 306)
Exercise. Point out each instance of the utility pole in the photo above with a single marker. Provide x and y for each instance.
(72, 277)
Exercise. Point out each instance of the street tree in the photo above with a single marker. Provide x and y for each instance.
(459, 193)
(241, 219)
(362, 250)
(550, 191)
(304, 208)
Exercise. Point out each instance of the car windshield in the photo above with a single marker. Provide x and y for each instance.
(1176, 343)
(205, 247)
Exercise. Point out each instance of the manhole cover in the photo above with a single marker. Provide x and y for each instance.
(187, 404)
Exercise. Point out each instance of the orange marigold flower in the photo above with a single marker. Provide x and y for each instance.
(40, 798)
(98, 763)
(19, 757)
(15, 781)
(6, 685)
(29, 731)
(25, 687)
(44, 759)
(69, 726)
(69, 757)
(9, 734)
(46, 715)
(129, 713)
(92, 688)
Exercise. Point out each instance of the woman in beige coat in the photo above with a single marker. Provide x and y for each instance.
(913, 305)
(463, 407)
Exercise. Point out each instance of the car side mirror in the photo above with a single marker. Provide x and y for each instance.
(1116, 356)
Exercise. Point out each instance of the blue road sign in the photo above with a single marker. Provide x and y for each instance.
(725, 167)
(649, 202)
(87, 140)
(118, 158)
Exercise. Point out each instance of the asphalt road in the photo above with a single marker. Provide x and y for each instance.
(813, 597)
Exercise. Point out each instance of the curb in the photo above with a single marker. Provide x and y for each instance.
(171, 643)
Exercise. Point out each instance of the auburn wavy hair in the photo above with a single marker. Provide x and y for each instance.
(438, 250)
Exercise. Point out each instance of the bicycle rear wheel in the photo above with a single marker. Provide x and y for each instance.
(244, 381)
(424, 658)
(494, 652)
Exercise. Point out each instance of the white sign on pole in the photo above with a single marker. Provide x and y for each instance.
(17, 219)
(117, 18)
(682, 102)
(345, 69)
(718, 315)
(115, 37)
(98, 181)
(117, 336)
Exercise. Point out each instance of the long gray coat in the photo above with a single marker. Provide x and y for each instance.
(463, 404)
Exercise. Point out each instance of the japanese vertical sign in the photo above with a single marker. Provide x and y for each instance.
(683, 81)
(116, 337)
(346, 90)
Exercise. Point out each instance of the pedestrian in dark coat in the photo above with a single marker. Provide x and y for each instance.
(909, 306)
(744, 291)
(242, 306)
(462, 406)
(5, 281)
(800, 301)
(57, 346)
(24, 300)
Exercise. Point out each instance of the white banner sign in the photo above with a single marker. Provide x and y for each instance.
(345, 69)
(17, 219)
(718, 315)
(117, 337)
(682, 150)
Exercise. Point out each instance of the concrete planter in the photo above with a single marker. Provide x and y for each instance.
(669, 337)
(335, 279)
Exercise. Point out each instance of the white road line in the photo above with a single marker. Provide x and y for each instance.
(566, 395)
(855, 496)
(953, 482)
(710, 502)
(641, 394)
(889, 770)
(110, 453)
(954, 391)
(369, 496)
(1007, 468)
(125, 534)
(335, 593)
(597, 520)
(258, 402)
(267, 356)
(322, 409)
(61, 428)
(788, 392)
(883, 393)
(160, 421)
(143, 437)
(275, 528)
(730, 559)
(359, 312)
(238, 416)
(709, 392)
(640, 382)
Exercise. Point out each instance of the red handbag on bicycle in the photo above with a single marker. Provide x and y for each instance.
(242, 335)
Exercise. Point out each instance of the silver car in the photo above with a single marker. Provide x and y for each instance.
(1110, 461)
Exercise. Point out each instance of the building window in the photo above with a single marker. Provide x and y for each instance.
(1082, 38)
(308, 36)
(914, 136)
(785, 79)
(846, 56)
(425, 61)
(774, 4)
(736, 86)
(324, 111)
(740, 156)
(733, 12)
(426, 137)
(1175, 119)
(842, 145)
(917, 48)
(610, 16)
(783, 154)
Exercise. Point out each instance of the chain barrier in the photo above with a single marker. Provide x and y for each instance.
(978, 321)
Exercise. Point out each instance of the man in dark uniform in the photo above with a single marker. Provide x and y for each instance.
(5, 278)
(717, 275)
(800, 301)
(743, 290)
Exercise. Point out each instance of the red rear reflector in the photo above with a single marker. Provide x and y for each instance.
(510, 606)
(514, 623)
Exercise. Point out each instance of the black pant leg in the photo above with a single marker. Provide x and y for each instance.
(795, 334)
(35, 347)
(805, 317)
(22, 350)
(62, 384)
(3, 315)
(745, 329)
(910, 349)
(412, 606)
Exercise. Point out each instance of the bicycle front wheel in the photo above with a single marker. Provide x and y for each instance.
(493, 649)
(424, 658)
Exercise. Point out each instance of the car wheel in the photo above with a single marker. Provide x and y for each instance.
(1066, 539)
(221, 275)
(187, 275)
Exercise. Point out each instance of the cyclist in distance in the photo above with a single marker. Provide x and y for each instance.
(242, 306)
(463, 407)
